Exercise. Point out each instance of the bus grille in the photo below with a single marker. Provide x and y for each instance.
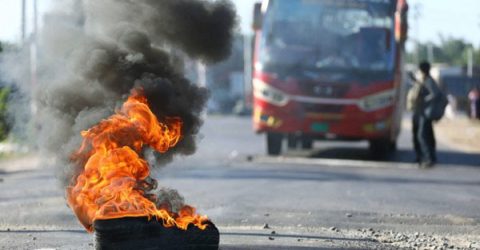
(324, 91)
(322, 108)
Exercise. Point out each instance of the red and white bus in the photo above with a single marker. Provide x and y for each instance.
(328, 69)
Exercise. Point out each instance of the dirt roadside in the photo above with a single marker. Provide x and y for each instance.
(460, 133)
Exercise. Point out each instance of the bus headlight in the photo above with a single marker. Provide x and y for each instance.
(377, 101)
(268, 93)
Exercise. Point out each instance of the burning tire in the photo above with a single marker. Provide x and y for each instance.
(141, 233)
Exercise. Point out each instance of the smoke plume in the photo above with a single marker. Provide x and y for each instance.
(92, 53)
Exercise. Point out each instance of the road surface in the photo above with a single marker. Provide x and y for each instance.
(334, 197)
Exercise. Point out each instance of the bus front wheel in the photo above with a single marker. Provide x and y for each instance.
(307, 142)
(274, 143)
(292, 141)
(382, 147)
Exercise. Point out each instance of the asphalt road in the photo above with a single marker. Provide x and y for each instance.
(334, 197)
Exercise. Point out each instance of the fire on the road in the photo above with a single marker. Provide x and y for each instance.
(115, 179)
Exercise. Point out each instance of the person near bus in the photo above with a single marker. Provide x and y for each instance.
(474, 97)
(423, 91)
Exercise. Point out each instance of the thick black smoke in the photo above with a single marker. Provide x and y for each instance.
(92, 53)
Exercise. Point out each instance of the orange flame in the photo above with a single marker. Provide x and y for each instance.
(110, 184)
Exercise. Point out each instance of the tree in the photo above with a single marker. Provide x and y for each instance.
(454, 50)
(449, 50)
(4, 95)
(4, 121)
(476, 56)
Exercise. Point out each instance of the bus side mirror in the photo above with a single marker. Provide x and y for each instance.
(257, 17)
(388, 40)
(401, 22)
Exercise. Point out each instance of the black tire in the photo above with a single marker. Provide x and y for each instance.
(274, 143)
(142, 233)
(292, 141)
(307, 142)
(382, 148)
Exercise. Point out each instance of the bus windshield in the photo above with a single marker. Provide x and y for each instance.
(329, 34)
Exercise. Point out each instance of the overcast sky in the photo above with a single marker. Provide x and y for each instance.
(457, 18)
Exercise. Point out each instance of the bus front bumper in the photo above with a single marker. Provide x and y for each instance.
(345, 123)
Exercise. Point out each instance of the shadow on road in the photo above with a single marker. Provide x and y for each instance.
(26, 231)
(324, 175)
(269, 247)
(14, 233)
(296, 236)
(400, 156)
(299, 237)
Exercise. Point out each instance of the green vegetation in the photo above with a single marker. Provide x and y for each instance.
(448, 50)
(4, 93)
(4, 125)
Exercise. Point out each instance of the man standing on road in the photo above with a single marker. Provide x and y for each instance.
(421, 93)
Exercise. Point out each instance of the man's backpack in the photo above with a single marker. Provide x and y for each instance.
(435, 107)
